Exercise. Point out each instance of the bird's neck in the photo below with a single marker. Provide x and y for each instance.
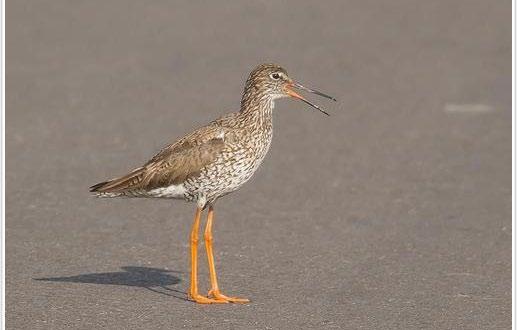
(257, 107)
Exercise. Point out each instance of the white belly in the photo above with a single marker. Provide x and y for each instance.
(173, 191)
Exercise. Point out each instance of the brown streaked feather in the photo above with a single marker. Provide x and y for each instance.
(172, 165)
(177, 165)
(119, 184)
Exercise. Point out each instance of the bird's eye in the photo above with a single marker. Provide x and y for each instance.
(275, 76)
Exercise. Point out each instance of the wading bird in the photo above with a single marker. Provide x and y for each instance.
(213, 161)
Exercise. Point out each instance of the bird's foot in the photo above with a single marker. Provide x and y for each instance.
(205, 300)
(217, 295)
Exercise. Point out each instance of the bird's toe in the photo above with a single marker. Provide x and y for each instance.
(221, 297)
(205, 300)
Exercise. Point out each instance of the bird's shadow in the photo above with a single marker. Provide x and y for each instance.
(153, 279)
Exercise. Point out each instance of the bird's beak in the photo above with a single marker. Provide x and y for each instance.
(289, 91)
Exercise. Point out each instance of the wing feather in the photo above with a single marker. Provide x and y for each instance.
(172, 165)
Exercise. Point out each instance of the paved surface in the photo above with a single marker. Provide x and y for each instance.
(394, 213)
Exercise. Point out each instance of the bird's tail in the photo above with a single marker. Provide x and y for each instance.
(119, 186)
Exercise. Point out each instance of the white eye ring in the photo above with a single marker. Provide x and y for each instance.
(275, 76)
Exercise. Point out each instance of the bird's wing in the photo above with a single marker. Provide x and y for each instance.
(172, 165)
(183, 160)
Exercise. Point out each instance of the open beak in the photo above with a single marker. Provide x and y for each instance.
(289, 91)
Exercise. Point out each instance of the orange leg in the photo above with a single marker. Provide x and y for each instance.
(214, 291)
(193, 291)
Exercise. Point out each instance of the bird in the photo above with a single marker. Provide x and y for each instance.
(213, 161)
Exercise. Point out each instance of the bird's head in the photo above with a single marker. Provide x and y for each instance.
(271, 81)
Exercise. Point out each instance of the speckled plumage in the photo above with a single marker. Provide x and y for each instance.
(212, 161)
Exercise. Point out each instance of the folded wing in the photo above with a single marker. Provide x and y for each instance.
(171, 166)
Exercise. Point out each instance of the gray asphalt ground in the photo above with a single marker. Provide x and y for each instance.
(393, 213)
